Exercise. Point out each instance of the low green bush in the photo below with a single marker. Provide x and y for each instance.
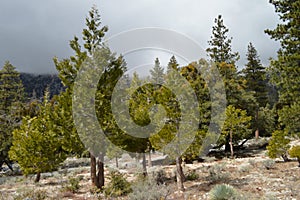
(118, 185)
(223, 192)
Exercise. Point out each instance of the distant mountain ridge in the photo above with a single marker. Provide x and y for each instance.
(36, 84)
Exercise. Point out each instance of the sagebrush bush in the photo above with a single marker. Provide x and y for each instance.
(223, 192)
(32, 195)
(268, 164)
(72, 185)
(118, 185)
(159, 176)
(216, 174)
(148, 189)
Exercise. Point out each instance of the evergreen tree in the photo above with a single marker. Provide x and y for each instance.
(157, 73)
(37, 144)
(95, 50)
(255, 75)
(11, 105)
(236, 126)
(220, 46)
(286, 72)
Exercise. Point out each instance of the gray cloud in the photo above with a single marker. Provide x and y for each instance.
(33, 32)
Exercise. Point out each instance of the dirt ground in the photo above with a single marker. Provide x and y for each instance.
(252, 173)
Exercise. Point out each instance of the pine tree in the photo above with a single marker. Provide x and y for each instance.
(37, 144)
(11, 105)
(286, 73)
(236, 126)
(157, 73)
(93, 50)
(255, 75)
(220, 46)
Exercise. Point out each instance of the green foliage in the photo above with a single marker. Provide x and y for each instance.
(72, 184)
(157, 73)
(286, 68)
(118, 185)
(265, 121)
(278, 144)
(192, 175)
(11, 104)
(220, 46)
(295, 152)
(237, 123)
(223, 192)
(149, 190)
(36, 84)
(37, 144)
(255, 75)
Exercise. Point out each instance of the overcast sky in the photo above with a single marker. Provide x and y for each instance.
(32, 32)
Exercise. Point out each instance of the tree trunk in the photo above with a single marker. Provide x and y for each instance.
(231, 145)
(179, 174)
(100, 173)
(117, 162)
(227, 144)
(144, 165)
(38, 177)
(298, 158)
(93, 170)
(285, 158)
(257, 130)
(149, 159)
(256, 134)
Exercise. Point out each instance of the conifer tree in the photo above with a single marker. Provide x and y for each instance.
(37, 144)
(286, 70)
(11, 104)
(220, 49)
(114, 67)
(157, 73)
(255, 76)
(236, 126)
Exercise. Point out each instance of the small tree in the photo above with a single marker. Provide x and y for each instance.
(236, 126)
(36, 145)
(295, 153)
(11, 104)
(279, 145)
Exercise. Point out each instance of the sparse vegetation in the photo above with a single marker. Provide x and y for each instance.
(223, 192)
(118, 185)
(217, 174)
(148, 189)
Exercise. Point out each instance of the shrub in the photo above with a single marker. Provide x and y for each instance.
(244, 168)
(148, 189)
(295, 153)
(278, 145)
(72, 184)
(216, 174)
(223, 192)
(268, 164)
(192, 175)
(118, 185)
(159, 176)
(31, 194)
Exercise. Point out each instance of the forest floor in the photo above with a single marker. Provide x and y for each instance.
(251, 172)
